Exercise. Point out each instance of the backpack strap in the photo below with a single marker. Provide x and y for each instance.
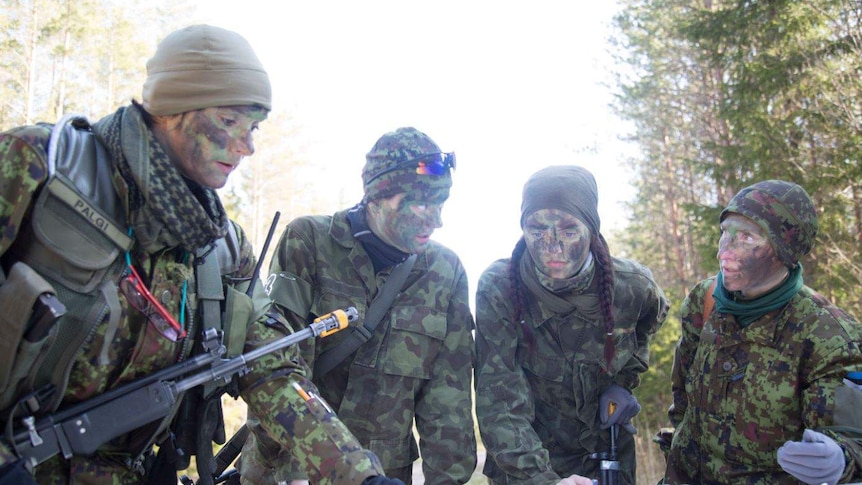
(708, 303)
(327, 361)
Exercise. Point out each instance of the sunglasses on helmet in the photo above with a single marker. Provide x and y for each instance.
(428, 164)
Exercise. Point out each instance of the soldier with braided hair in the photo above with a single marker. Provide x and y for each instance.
(563, 330)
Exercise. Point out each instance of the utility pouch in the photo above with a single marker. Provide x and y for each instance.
(29, 311)
(238, 314)
(848, 407)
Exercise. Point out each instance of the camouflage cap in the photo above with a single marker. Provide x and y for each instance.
(383, 176)
(784, 211)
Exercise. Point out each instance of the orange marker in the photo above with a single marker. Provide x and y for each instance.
(304, 395)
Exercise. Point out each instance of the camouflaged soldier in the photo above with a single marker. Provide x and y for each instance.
(758, 370)
(416, 366)
(563, 331)
(137, 210)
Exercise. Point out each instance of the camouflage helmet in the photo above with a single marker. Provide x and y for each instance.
(389, 167)
(784, 211)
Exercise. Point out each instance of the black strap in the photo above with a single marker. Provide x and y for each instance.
(327, 361)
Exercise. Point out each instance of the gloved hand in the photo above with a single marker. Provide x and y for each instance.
(381, 480)
(15, 474)
(626, 407)
(814, 460)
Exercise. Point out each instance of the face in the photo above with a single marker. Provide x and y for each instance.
(559, 242)
(406, 220)
(208, 144)
(746, 257)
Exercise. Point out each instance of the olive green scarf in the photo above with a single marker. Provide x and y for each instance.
(569, 296)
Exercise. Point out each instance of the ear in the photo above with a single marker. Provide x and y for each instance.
(168, 122)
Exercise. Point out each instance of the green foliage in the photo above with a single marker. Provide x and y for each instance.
(727, 93)
(722, 94)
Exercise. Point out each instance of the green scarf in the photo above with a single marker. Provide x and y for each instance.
(573, 294)
(748, 311)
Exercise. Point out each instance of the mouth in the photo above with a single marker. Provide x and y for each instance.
(423, 238)
(226, 168)
(729, 271)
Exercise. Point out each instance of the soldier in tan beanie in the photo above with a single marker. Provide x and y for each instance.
(114, 229)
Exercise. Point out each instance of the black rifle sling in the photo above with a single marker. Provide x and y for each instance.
(361, 334)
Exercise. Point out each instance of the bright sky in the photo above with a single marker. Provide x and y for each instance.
(510, 86)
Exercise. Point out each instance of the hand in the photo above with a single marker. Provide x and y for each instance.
(575, 480)
(814, 460)
(625, 408)
(381, 480)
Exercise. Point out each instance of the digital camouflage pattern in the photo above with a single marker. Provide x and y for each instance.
(784, 211)
(320, 442)
(537, 397)
(397, 147)
(417, 364)
(740, 393)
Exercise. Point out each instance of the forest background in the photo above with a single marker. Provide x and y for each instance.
(711, 95)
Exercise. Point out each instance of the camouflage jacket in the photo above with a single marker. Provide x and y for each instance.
(537, 398)
(130, 348)
(418, 363)
(740, 393)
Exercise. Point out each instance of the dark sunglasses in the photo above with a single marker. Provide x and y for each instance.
(137, 294)
(429, 164)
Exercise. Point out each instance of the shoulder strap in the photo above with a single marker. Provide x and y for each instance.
(708, 301)
(361, 334)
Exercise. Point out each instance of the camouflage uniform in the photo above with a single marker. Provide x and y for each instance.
(752, 374)
(320, 442)
(537, 398)
(740, 393)
(416, 366)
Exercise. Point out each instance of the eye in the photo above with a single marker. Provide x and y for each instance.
(228, 122)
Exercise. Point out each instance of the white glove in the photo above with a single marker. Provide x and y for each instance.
(815, 460)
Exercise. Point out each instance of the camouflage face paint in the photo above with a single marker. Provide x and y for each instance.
(208, 144)
(559, 242)
(746, 257)
(407, 220)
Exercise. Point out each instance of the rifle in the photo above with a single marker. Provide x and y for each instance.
(82, 428)
(609, 465)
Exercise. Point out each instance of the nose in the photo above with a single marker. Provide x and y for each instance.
(725, 246)
(435, 216)
(244, 145)
(554, 245)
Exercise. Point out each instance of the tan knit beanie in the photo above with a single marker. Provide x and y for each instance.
(202, 66)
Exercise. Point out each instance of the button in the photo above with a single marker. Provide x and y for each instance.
(166, 297)
(727, 366)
